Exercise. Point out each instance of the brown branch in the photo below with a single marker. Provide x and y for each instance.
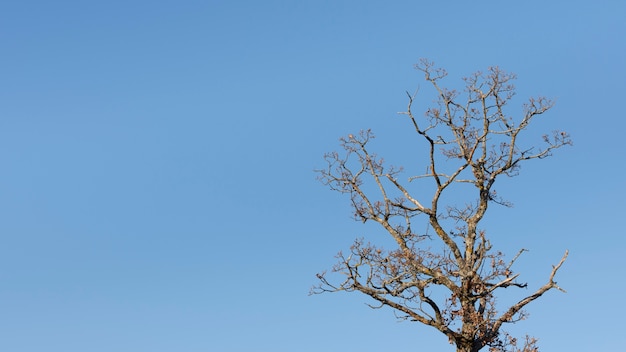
(510, 313)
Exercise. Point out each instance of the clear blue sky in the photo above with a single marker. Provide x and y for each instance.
(156, 183)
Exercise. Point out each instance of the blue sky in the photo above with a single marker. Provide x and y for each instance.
(157, 190)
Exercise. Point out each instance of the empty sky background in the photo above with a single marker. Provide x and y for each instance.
(157, 190)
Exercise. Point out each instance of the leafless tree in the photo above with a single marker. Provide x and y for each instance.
(446, 277)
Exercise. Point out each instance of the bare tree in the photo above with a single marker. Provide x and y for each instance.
(446, 277)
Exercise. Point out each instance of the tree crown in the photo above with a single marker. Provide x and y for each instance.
(471, 141)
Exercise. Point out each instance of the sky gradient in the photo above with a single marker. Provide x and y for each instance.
(157, 190)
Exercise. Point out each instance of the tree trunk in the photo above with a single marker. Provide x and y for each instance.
(467, 346)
